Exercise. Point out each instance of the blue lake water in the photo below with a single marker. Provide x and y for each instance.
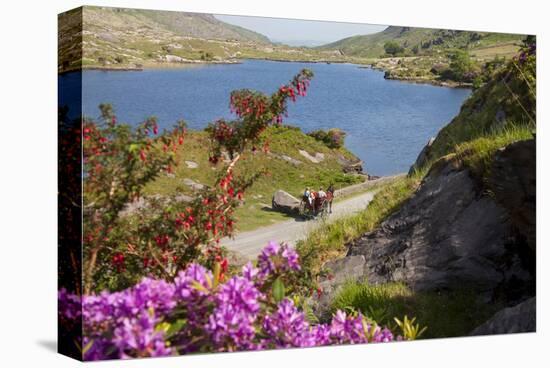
(387, 122)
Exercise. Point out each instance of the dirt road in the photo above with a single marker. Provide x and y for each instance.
(250, 243)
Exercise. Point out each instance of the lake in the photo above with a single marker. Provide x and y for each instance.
(387, 122)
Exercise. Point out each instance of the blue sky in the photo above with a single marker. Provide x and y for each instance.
(300, 32)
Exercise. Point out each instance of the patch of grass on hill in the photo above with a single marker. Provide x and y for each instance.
(478, 154)
(445, 314)
(507, 100)
(280, 173)
(328, 241)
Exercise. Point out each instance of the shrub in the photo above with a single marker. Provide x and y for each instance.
(333, 138)
(461, 68)
(393, 48)
(199, 312)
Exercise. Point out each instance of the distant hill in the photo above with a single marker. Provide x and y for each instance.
(192, 25)
(117, 38)
(423, 40)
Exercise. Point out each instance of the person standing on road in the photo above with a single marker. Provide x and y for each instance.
(330, 196)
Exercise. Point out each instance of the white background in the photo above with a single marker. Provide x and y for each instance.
(28, 187)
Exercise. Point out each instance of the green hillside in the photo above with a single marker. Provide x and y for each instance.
(506, 103)
(425, 41)
(285, 168)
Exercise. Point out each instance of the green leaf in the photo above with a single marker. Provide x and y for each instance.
(133, 147)
(87, 346)
(278, 290)
(175, 327)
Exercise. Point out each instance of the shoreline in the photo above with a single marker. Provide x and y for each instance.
(149, 66)
(191, 64)
(433, 82)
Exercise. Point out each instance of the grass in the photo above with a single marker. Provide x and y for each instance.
(446, 314)
(328, 242)
(478, 154)
(506, 97)
(280, 174)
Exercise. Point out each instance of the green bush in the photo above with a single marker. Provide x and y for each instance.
(393, 48)
(333, 138)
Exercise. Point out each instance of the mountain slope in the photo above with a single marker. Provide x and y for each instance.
(115, 38)
(425, 40)
(198, 25)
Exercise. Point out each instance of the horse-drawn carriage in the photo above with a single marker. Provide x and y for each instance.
(316, 206)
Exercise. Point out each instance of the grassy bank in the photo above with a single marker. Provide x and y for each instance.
(285, 168)
(477, 155)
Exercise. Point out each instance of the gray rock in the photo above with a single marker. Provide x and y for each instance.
(193, 184)
(286, 158)
(144, 202)
(344, 269)
(183, 198)
(446, 236)
(517, 319)
(422, 156)
(285, 202)
(293, 161)
(191, 164)
(350, 166)
(315, 159)
(513, 181)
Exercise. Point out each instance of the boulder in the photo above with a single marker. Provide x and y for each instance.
(285, 202)
(191, 164)
(519, 318)
(193, 184)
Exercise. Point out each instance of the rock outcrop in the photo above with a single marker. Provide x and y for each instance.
(451, 235)
(318, 157)
(285, 202)
(519, 318)
(350, 166)
(422, 156)
(513, 181)
(193, 184)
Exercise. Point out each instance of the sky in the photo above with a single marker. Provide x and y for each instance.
(300, 32)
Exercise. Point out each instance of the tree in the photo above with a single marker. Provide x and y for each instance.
(393, 48)
(166, 234)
